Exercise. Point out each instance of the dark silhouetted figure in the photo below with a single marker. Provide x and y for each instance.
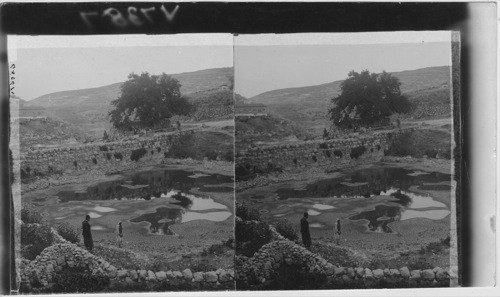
(87, 235)
(337, 231)
(304, 231)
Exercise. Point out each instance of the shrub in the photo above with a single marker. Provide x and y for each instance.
(158, 149)
(152, 152)
(323, 146)
(94, 160)
(211, 155)
(314, 158)
(103, 148)
(137, 154)
(118, 156)
(295, 161)
(328, 154)
(34, 239)
(75, 164)
(77, 279)
(356, 152)
(68, 232)
(108, 155)
(30, 215)
(337, 153)
(246, 212)
(286, 229)
(251, 236)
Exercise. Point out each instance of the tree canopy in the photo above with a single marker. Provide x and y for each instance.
(367, 99)
(148, 101)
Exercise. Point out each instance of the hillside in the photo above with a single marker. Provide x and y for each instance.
(266, 129)
(88, 108)
(308, 105)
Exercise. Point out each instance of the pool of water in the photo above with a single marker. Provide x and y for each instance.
(191, 208)
(148, 185)
(163, 194)
(384, 195)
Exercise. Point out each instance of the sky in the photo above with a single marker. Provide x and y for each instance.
(78, 63)
(264, 64)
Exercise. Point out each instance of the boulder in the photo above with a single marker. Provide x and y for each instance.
(211, 276)
(198, 277)
(133, 275)
(378, 273)
(441, 274)
(161, 275)
(338, 271)
(405, 272)
(428, 274)
(368, 273)
(143, 274)
(187, 274)
(122, 273)
(151, 276)
(415, 274)
(177, 274)
(224, 276)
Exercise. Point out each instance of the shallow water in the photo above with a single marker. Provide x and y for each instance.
(384, 198)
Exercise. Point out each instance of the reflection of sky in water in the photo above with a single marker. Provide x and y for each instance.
(313, 212)
(316, 225)
(198, 202)
(97, 227)
(216, 216)
(94, 215)
(434, 214)
(103, 209)
(163, 217)
(417, 201)
(322, 206)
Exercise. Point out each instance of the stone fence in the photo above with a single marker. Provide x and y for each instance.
(336, 152)
(101, 156)
(62, 256)
(281, 258)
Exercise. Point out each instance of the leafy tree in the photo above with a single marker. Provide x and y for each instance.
(148, 101)
(368, 98)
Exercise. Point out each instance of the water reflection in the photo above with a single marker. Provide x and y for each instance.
(164, 217)
(380, 217)
(148, 185)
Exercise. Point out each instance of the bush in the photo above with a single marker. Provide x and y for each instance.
(138, 154)
(30, 215)
(250, 236)
(108, 155)
(103, 148)
(356, 152)
(34, 239)
(286, 229)
(158, 149)
(68, 232)
(323, 146)
(337, 153)
(314, 158)
(246, 212)
(94, 160)
(211, 155)
(152, 152)
(328, 154)
(77, 279)
(118, 156)
(75, 164)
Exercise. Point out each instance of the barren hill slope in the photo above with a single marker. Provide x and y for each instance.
(308, 105)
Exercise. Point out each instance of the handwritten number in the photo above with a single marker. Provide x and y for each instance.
(170, 15)
(146, 12)
(116, 17)
(85, 16)
(133, 16)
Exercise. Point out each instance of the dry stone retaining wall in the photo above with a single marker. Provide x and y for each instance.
(95, 156)
(335, 152)
(66, 255)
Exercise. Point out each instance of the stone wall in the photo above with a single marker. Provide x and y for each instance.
(273, 263)
(98, 156)
(65, 255)
(335, 152)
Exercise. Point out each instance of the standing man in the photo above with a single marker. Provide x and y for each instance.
(87, 235)
(119, 234)
(337, 231)
(304, 230)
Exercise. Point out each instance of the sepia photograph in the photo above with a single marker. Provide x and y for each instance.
(123, 163)
(345, 161)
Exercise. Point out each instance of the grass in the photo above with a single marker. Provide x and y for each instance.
(421, 142)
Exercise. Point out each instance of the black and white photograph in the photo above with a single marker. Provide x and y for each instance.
(123, 147)
(345, 161)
